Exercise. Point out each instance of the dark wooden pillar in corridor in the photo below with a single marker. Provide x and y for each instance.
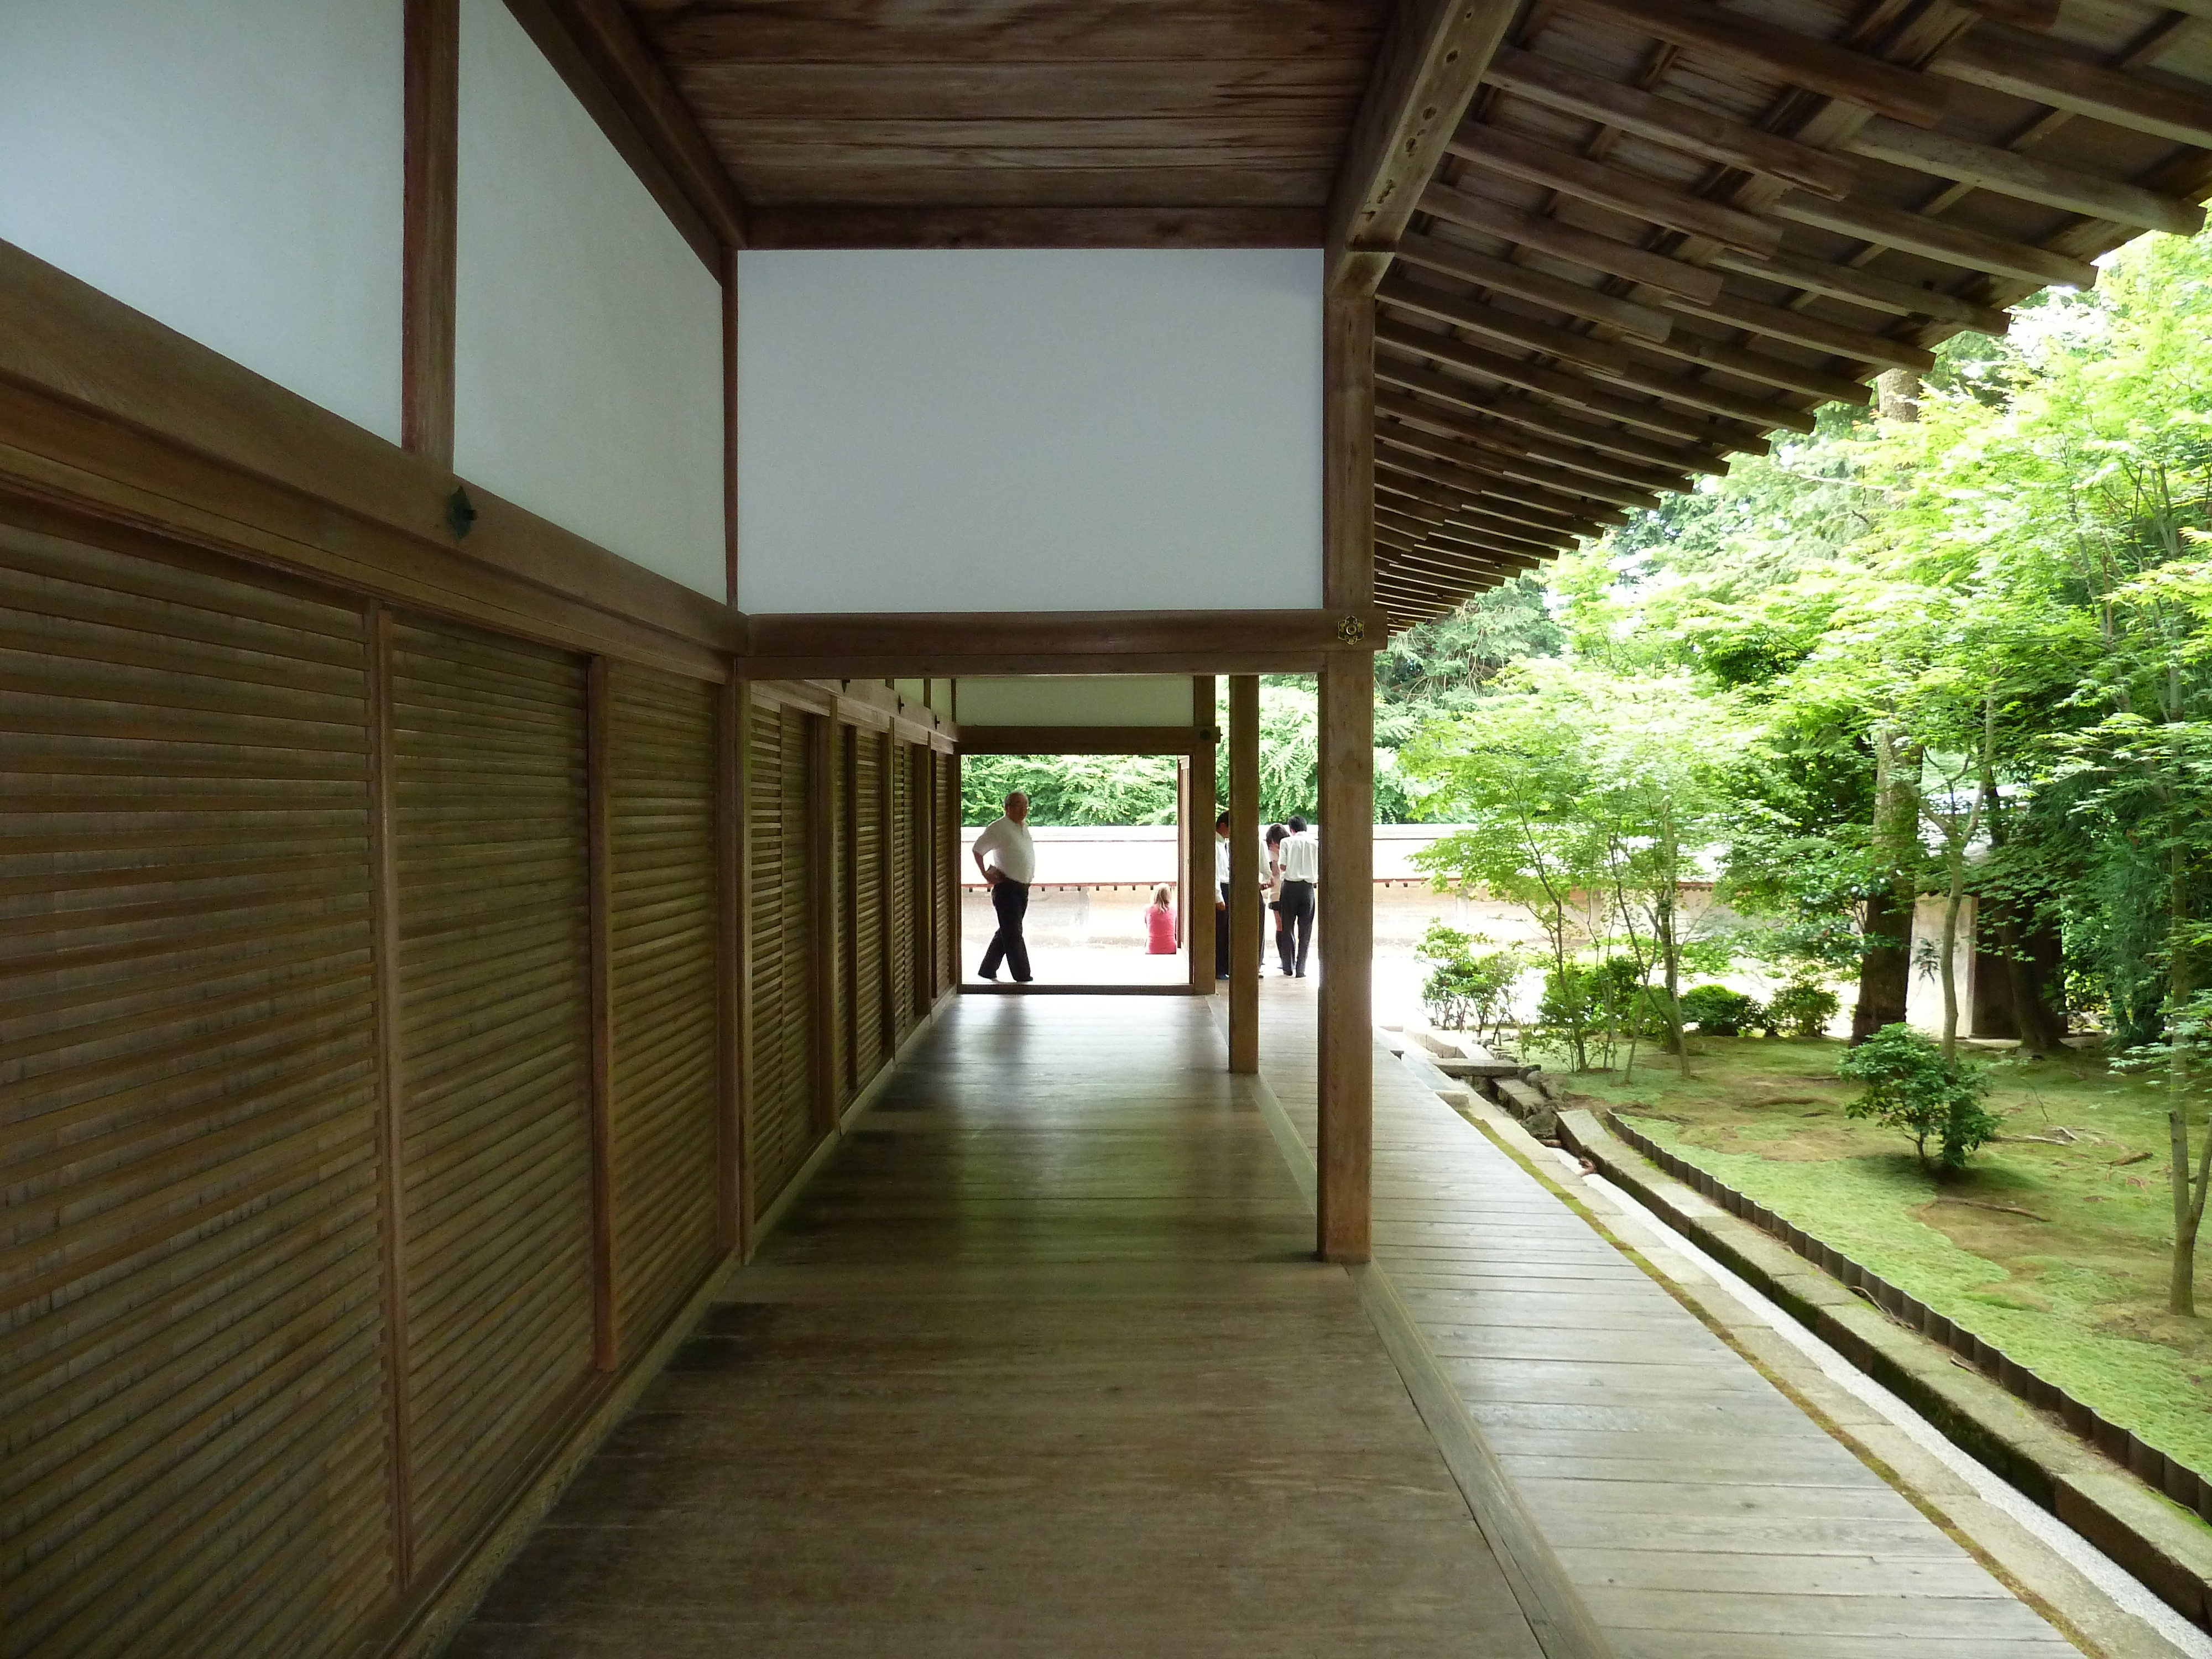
(1206, 891)
(1346, 926)
(1244, 919)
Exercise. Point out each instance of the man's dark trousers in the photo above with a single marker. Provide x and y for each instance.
(1221, 936)
(1010, 899)
(1297, 913)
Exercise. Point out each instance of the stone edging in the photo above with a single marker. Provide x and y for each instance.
(1976, 1398)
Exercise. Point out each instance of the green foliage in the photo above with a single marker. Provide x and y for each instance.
(1716, 1011)
(1589, 1009)
(1802, 1008)
(1912, 1086)
(1466, 990)
(1071, 789)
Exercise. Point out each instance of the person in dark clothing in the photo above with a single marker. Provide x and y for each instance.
(1221, 904)
(1301, 857)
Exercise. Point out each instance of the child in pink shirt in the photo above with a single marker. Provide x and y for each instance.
(1160, 925)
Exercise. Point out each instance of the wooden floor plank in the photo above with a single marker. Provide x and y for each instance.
(1698, 1511)
(1045, 1369)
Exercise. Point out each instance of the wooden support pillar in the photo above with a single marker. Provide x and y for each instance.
(429, 234)
(1206, 890)
(1244, 908)
(1346, 926)
(1345, 940)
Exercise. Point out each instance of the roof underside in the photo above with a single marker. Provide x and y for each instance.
(1665, 230)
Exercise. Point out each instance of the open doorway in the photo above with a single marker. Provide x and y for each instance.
(1112, 837)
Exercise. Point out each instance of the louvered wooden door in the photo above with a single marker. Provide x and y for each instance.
(190, 1372)
(663, 1099)
(491, 817)
(782, 1117)
(868, 905)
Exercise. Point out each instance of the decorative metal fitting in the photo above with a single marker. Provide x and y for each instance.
(1351, 630)
(461, 512)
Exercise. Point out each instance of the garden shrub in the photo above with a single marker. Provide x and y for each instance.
(1801, 1009)
(1467, 990)
(1912, 1087)
(1716, 1011)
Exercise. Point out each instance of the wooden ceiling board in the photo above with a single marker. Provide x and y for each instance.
(1036, 103)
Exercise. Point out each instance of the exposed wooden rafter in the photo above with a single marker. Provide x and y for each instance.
(1425, 73)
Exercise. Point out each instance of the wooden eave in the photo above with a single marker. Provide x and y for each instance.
(1610, 243)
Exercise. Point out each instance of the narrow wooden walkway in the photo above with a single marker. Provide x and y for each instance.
(1699, 1512)
(1041, 1365)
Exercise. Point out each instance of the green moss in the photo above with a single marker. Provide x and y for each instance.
(2053, 1245)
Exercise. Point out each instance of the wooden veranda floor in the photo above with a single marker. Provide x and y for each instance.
(1040, 1365)
(1696, 1511)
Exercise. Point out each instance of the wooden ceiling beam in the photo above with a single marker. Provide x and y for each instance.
(1566, 241)
(1496, 150)
(2010, 60)
(1567, 388)
(1526, 503)
(2024, 178)
(1506, 465)
(1759, 366)
(1534, 508)
(1558, 292)
(1931, 239)
(1460, 421)
(1770, 51)
(830, 226)
(1680, 126)
(1544, 418)
(1864, 288)
(1780, 322)
(1465, 310)
(1530, 554)
(1664, 380)
(1426, 72)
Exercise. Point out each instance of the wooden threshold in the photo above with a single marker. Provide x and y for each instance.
(968, 987)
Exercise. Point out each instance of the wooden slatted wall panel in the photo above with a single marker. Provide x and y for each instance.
(190, 1362)
(490, 812)
(868, 907)
(666, 1099)
(839, 942)
(900, 778)
(780, 1123)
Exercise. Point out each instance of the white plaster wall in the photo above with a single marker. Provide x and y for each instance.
(1923, 992)
(588, 352)
(232, 168)
(1074, 700)
(1029, 429)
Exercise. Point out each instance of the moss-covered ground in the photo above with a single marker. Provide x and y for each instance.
(2054, 1244)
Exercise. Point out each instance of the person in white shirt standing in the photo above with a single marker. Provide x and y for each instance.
(1007, 858)
(1300, 858)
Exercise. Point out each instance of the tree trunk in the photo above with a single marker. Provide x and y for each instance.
(1885, 970)
(2037, 1022)
(1953, 902)
(1897, 395)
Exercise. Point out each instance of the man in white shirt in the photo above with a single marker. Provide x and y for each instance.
(1007, 858)
(1301, 857)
